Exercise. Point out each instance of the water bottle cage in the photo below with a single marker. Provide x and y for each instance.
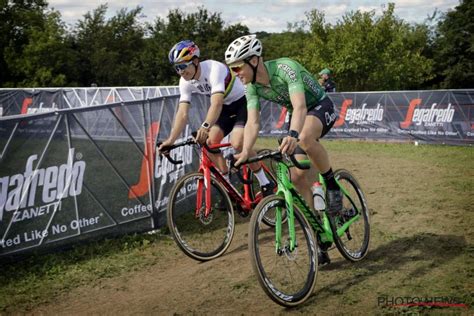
(318, 194)
(319, 199)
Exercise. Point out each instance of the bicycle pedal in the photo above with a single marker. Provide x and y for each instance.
(241, 211)
(349, 213)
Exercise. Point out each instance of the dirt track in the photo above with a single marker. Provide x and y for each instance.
(421, 247)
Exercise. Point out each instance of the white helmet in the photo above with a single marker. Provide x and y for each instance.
(242, 48)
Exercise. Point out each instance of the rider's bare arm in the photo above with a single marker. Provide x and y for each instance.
(217, 101)
(180, 121)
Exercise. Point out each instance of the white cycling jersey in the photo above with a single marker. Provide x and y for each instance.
(215, 78)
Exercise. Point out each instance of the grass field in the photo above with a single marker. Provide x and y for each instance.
(421, 205)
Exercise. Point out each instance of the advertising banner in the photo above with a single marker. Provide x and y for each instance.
(75, 173)
(441, 117)
(80, 173)
(40, 100)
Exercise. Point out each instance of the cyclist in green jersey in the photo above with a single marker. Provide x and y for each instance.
(286, 82)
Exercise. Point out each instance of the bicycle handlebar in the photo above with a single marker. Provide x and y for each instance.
(297, 163)
(231, 159)
(294, 161)
(209, 149)
(166, 150)
(272, 154)
(189, 141)
(277, 155)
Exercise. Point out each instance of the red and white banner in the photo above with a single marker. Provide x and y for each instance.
(439, 117)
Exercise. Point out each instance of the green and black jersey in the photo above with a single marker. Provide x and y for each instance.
(286, 77)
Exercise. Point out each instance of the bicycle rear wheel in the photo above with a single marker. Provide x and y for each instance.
(287, 277)
(200, 237)
(353, 243)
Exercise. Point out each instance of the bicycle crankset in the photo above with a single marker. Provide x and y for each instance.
(241, 211)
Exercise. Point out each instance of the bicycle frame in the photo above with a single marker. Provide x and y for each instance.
(207, 167)
(321, 226)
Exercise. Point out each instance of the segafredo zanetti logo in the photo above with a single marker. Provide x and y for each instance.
(363, 115)
(435, 115)
(40, 187)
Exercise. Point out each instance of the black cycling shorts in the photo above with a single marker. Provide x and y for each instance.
(324, 111)
(232, 115)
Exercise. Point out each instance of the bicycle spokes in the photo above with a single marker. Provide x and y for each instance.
(351, 229)
(202, 233)
(287, 273)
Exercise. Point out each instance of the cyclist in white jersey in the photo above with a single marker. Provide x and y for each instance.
(227, 112)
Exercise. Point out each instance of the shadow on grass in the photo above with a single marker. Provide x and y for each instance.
(429, 250)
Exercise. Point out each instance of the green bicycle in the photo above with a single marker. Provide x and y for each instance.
(285, 257)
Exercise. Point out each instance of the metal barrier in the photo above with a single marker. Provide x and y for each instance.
(76, 174)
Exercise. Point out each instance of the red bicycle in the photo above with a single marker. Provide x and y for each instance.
(200, 210)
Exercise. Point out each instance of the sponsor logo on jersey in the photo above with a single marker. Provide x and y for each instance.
(288, 70)
(309, 81)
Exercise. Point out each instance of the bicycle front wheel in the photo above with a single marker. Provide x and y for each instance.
(351, 228)
(200, 236)
(287, 276)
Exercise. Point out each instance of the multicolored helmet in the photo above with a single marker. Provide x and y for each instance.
(242, 48)
(183, 51)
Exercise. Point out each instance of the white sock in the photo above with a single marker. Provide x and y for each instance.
(261, 177)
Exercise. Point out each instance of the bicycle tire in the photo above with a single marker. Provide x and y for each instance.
(287, 278)
(353, 244)
(199, 237)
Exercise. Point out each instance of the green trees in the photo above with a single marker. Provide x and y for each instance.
(454, 48)
(46, 59)
(110, 50)
(17, 18)
(367, 52)
(206, 29)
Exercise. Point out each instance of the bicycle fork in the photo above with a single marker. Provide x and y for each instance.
(290, 221)
(204, 184)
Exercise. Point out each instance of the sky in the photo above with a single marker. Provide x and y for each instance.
(258, 15)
